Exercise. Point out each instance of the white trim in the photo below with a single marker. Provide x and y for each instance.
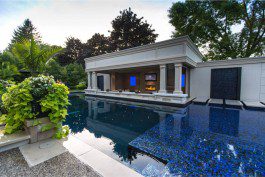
(182, 59)
(171, 42)
(230, 62)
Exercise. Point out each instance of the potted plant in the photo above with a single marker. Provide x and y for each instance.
(38, 105)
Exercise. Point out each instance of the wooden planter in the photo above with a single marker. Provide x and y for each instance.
(35, 131)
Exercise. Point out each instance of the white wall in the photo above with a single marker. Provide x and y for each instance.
(252, 81)
(262, 83)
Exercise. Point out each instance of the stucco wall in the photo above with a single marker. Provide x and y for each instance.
(252, 81)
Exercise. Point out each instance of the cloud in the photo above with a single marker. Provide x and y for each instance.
(56, 20)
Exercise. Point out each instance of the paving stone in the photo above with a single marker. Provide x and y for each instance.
(215, 101)
(36, 153)
(254, 104)
(200, 100)
(235, 103)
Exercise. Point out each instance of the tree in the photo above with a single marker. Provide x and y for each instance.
(210, 25)
(98, 44)
(75, 74)
(54, 69)
(8, 66)
(34, 56)
(26, 31)
(75, 51)
(130, 31)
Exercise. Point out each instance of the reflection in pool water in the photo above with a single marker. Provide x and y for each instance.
(196, 140)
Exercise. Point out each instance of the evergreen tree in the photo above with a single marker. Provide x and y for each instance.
(130, 31)
(25, 32)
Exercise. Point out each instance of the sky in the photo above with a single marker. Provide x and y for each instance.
(56, 20)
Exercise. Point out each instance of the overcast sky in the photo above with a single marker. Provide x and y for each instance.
(57, 20)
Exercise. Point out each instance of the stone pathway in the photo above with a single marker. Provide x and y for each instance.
(13, 164)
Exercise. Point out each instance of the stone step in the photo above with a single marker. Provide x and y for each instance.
(216, 102)
(13, 140)
(254, 105)
(234, 103)
(200, 100)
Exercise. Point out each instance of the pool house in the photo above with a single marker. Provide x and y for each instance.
(173, 72)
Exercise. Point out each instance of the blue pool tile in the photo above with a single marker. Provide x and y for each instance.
(198, 153)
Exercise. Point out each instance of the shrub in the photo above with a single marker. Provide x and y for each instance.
(75, 74)
(3, 86)
(3, 89)
(54, 69)
(81, 86)
(33, 98)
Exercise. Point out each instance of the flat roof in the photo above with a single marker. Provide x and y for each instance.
(161, 44)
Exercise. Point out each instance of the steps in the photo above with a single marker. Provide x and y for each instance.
(13, 140)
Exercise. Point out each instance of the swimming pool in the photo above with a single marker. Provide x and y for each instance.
(163, 141)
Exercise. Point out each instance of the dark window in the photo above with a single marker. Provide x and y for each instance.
(225, 83)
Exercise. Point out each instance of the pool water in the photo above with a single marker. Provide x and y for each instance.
(165, 141)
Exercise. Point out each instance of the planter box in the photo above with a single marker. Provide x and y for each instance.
(35, 131)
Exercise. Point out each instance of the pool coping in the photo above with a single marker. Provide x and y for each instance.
(189, 101)
(97, 160)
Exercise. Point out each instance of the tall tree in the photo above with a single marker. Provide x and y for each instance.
(131, 31)
(26, 31)
(99, 44)
(34, 56)
(75, 51)
(216, 26)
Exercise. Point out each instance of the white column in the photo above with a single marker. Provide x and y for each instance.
(163, 79)
(88, 80)
(178, 76)
(94, 81)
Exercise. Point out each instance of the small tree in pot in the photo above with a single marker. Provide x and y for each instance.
(39, 105)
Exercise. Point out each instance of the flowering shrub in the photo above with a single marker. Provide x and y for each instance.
(40, 85)
(36, 97)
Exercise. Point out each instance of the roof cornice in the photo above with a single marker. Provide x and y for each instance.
(153, 46)
(236, 61)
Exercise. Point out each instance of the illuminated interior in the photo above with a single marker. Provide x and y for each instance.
(150, 87)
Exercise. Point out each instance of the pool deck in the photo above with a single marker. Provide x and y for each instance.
(41, 152)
